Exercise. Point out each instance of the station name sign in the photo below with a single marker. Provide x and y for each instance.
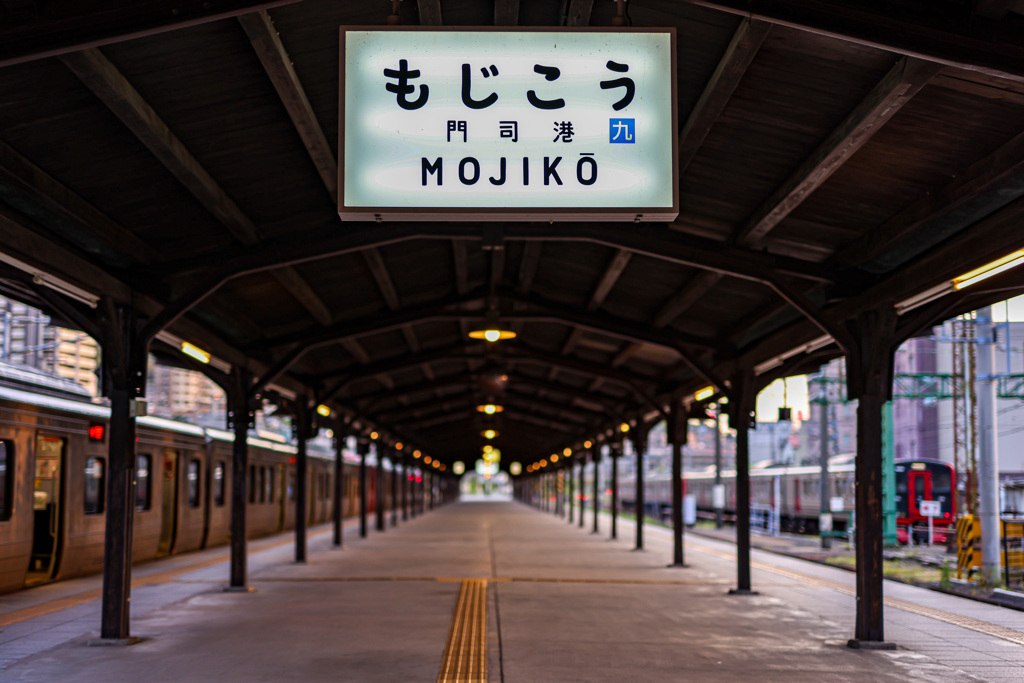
(531, 124)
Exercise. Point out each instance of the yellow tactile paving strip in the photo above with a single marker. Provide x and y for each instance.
(465, 655)
(971, 623)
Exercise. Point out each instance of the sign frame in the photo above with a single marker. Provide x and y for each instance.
(526, 213)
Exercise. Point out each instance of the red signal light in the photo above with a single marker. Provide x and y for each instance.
(96, 432)
(291, 460)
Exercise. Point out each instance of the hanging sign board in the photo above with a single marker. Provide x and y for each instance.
(529, 124)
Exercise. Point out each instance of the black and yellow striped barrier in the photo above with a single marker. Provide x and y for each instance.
(968, 546)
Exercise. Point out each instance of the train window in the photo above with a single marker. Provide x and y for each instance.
(291, 486)
(143, 482)
(6, 480)
(95, 478)
(270, 484)
(261, 480)
(218, 483)
(193, 483)
(252, 483)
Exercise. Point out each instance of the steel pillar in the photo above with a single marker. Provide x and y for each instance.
(677, 433)
(405, 488)
(639, 444)
(363, 449)
(125, 365)
(339, 485)
(239, 415)
(742, 397)
(571, 479)
(394, 489)
(378, 503)
(869, 368)
(583, 490)
(596, 457)
(303, 426)
(615, 451)
(719, 522)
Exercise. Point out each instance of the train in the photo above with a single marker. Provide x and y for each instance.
(53, 466)
(794, 492)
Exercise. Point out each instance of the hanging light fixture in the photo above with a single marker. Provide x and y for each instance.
(489, 433)
(492, 329)
(490, 408)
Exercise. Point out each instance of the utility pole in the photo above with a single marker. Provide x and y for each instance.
(826, 510)
(988, 466)
(718, 497)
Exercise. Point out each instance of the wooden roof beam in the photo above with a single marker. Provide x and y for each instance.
(114, 90)
(506, 12)
(745, 43)
(528, 266)
(982, 188)
(697, 287)
(430, 12)
(943, 37)
(93, 23)
(460, 261)
(579, 12)
(278, 65)
(899, 85)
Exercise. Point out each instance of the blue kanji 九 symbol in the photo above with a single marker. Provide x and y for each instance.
(622, 131)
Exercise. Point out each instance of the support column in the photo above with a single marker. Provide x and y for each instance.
(677, 434)
(405, 488)
(741, 401)
(339, 485)
(639, 445)
(825, 499)
(583, 490)
(719, 522)
(363, 449)
(988, 453)
(595, 455)
(378, 503)
(869, 367)
(125, 361)
(239, 416)
(303, 420)
(394, 488)
(428, 479)
(571, 479)
(615, 452)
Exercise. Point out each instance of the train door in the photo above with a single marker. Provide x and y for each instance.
(169, 507)
(920, 487)
(282, 499)
(48, 506)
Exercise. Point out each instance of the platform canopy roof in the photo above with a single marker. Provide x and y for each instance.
(180, 156)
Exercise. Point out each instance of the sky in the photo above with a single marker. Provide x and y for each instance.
(795, 394)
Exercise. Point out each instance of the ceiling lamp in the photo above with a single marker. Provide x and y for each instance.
(489, 433)
(490, 408)
(492, 330)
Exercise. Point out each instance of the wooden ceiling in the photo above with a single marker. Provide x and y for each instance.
(181, 157)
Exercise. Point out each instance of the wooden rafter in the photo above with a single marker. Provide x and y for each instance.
(983, 187)
(86, 24)
(945, 38)
(696, 288)
(430, 12)
(272, 54)
(746, 41)
(506, 12)
(110, 86)
(579, 12)
(897, 88)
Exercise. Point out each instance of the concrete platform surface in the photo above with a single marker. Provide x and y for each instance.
(563, 604)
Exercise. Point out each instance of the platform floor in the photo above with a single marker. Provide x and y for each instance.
(563, 604)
